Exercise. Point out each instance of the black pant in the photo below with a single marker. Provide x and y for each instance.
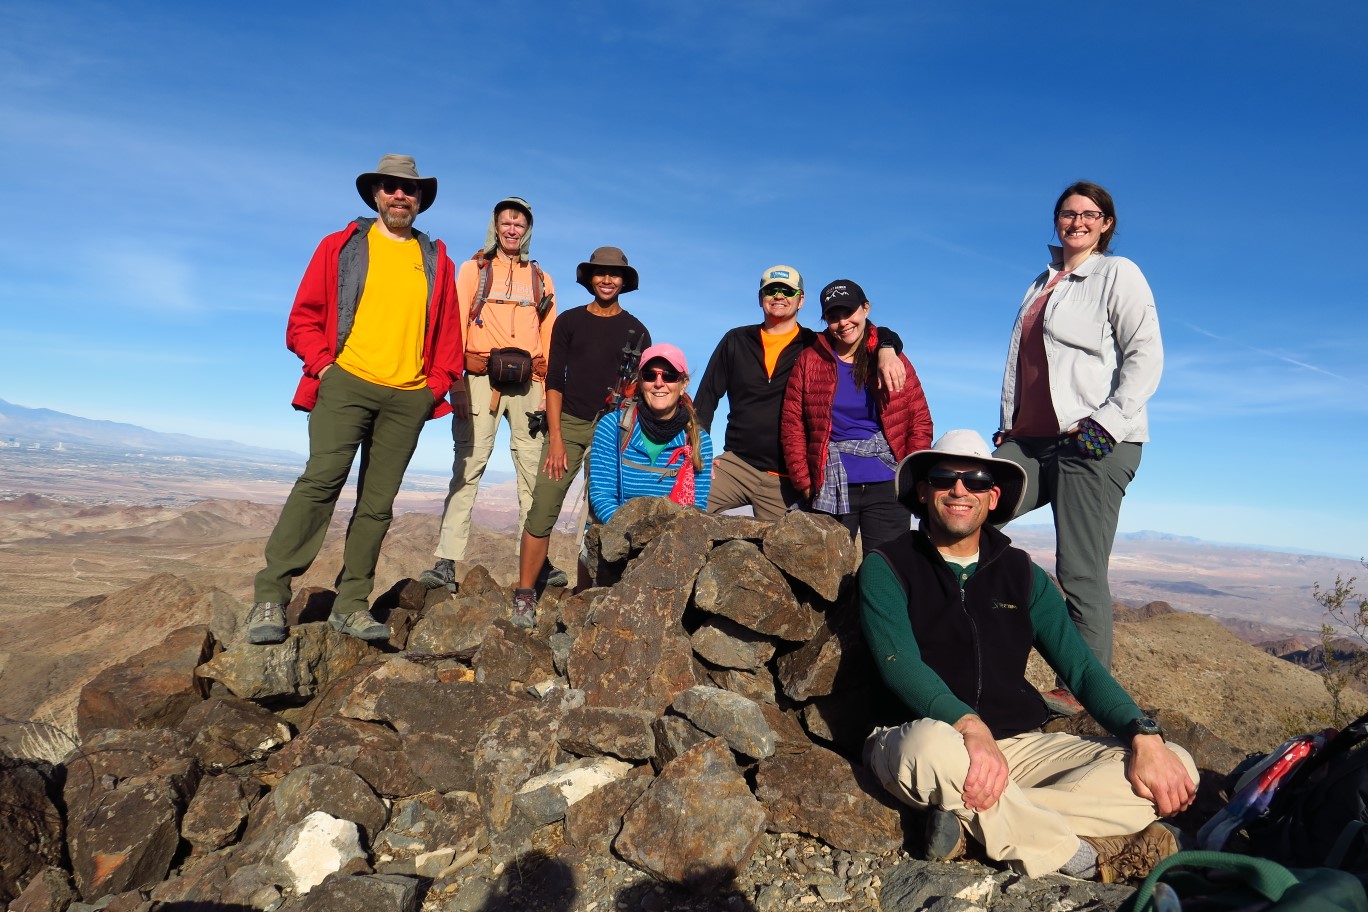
(875, 513)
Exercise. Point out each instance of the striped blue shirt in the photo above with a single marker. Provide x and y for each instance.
(616, 477)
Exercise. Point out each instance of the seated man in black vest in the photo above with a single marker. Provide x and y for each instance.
(950, 612)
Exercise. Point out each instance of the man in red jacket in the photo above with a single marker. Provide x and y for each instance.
(376, 324)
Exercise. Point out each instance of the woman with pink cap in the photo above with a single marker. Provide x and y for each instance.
(653, 446)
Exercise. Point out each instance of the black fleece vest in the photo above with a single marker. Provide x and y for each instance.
(977, 639)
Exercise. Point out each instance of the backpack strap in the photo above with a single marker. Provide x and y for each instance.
(485, 268)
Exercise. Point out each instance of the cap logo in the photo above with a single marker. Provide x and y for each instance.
(780, 274)
(838, 291)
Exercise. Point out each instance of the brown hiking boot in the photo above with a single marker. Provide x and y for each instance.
(944, 836)
(1122, 858)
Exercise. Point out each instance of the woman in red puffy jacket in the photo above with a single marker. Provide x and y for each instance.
(842, 432)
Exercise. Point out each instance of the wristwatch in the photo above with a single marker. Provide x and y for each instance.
(1144, 726)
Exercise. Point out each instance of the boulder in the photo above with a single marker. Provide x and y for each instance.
(126, 837)
(432, 822)
(729, 716)
(374, 893)
(697, 824)
(814, 549)
(311, 658)
(590, 731)
(544, 798)
(152, 689)
(459, 624)
(673, 736)
(598, 815)
(227, 731)
(723, 642)
(48, 891)
(635, 525)
(372, 751)
(218, 811)
(819, 793)
(363, 694)
(30, 827)
(739, 583)
(317, 846)
(400, 607)
(835, 656)
(337, 792)
(511, 658)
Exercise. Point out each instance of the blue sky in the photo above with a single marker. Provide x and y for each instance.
(173, 167)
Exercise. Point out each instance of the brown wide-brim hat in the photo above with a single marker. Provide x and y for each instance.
(963, 445)
(606, 256)
(401, 166)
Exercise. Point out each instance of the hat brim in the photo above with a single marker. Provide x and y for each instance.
(584, 273)
(1009, 477)
(364, 183)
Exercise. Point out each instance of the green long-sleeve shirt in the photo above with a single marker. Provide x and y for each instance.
(888, 631)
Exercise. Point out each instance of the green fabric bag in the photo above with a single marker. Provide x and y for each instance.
(1249, 879)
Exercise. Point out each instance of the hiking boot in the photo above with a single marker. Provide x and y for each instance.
(555, 576)
(1062, 703)
(1121, 858)
(443, 573)
(525, 607)
(266, 623)
(361, 625)
(944, 836)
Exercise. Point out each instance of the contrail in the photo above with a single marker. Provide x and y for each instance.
(1270, 354)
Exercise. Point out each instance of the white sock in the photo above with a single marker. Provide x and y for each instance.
(1083, 864)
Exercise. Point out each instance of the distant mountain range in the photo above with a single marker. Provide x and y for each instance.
(26, 426)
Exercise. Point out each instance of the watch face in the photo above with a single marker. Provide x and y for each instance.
(1146, 726)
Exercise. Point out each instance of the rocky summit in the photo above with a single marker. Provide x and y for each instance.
(686, 735)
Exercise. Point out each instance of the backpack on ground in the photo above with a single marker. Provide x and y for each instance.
(1319, 815)
(1198, 881)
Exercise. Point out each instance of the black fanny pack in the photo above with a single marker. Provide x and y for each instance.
(509, 367)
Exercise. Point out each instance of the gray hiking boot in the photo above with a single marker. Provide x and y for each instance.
(944, 836)
(555, 576)
(1122, 858)
(361, 625)
(443, 573)
(266, 623)
(525, 607)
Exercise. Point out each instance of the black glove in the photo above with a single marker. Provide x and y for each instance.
(1093, 440)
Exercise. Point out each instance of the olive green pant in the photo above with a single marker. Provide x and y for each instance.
(351, 413)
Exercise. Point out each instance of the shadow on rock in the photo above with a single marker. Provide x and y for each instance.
(533, 882)
(710, 891)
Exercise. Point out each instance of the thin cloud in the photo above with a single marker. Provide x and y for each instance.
(1271, 354)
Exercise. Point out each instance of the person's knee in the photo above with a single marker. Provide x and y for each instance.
(927, 741)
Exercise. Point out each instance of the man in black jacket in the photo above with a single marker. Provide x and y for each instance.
(751, 367)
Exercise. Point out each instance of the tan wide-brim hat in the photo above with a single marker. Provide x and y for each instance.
(401, 166)
(1009, 477)
(606, 256)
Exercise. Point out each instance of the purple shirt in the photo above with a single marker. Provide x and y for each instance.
(855, 416)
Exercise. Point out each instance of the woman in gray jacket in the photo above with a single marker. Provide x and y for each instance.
(1084, 359)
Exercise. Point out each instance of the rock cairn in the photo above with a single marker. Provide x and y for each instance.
(684, 735)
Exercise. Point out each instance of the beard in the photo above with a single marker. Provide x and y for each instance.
(397, 219)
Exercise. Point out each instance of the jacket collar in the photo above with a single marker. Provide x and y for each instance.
(1086, 268)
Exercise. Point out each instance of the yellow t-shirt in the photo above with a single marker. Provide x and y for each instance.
(774, 344)
(386, 341)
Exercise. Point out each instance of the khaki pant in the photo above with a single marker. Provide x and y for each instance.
(735, 483)
(1061, 787)
(473, 442)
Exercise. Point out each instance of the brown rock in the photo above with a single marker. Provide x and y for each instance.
(697, 824)
(227, 731)
(819, 793)
(590, 731)
(48, 891)
(753, 685)
(309, 606)
(310, 659)
(813, 549)
(440, 762)
(126, 838)
(729, 716)
(152, 689)
(789, 736)
(360, 699)
(431, 821)
(459, 623)
(200, 881)
(372, 893)
(673, 736)
(460, 709)
(598, 816)
(721, 641)
(375, 753)
(633, 651)
(401, 607)
(512, 658)
(723, 528)
(512, 750)
(112, 759)
(337, 792)
(846, 718)
(30, 827)
(218, 811)
(739, 583)
(636, 524)
(835, 657)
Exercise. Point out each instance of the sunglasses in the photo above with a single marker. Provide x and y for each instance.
(651, 374)
(779, 291)
(976, 481)
(392, 184)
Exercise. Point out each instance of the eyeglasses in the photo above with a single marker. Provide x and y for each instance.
(392, 184)
(651, 374)
(779, 291)
(1087, 216)
(976, 481)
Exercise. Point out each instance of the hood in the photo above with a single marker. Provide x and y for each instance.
(491, 239)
